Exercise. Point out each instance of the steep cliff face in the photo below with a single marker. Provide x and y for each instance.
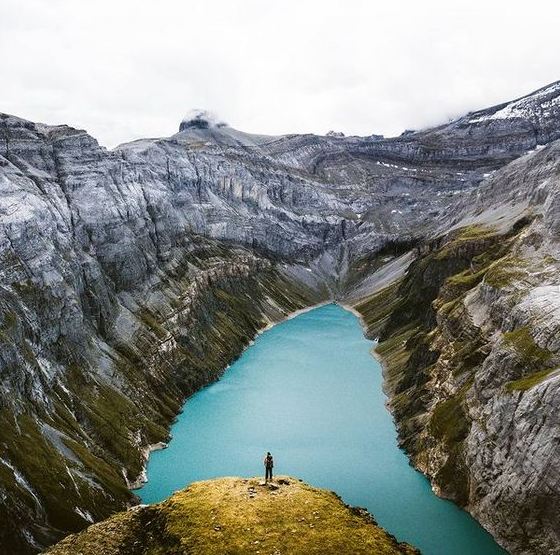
(83, 407)
(130, 278)
(469, 337)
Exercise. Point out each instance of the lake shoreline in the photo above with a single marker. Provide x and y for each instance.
(143, 476)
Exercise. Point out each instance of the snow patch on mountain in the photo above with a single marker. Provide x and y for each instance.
(540, 104)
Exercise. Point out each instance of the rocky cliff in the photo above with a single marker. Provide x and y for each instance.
(130, 278)
(469, 338)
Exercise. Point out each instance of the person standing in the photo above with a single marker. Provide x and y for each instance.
(268, 465)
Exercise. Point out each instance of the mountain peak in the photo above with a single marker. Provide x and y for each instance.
(201, 119)
(539, 105)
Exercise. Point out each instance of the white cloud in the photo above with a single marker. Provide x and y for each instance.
(130, 68)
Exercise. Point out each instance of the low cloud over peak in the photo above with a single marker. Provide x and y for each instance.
(201, 119)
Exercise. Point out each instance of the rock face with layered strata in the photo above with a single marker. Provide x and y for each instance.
(132, 277)
(469, 336)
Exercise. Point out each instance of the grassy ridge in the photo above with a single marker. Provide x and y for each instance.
(239, 516)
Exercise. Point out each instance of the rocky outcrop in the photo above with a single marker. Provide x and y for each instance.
(235, 515)
(130, 278)
(469, 341)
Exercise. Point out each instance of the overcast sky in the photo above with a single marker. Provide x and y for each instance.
(124, 69)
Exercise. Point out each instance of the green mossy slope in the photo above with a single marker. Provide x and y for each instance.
(431, 349)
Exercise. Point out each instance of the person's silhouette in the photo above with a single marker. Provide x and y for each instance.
(268, 465)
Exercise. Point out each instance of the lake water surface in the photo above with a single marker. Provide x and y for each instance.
(309, 391)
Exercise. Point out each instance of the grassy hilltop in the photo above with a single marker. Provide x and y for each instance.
(238, 516)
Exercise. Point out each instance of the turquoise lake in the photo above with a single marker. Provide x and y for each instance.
(309, 391)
